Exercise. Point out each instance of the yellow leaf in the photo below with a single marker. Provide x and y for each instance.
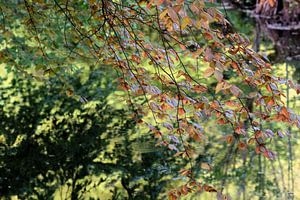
(219, 87)
(185, 21)
(163, 14)
(69, 92)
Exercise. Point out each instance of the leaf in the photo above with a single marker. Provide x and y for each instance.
(173, 15)
(240, 130)
(163, 14)
(69, 92)
(206, 166)
(272, 2)
(208, 72)
(181, 111)
(208, 36)
(194, 8)
(269, 133)
(219, 87)
(197, 137)
(280, 134)
(269, 88)
(172, 196)
(252, 95)
(232, 104)
(234, 65)
(285, 112)
(257, 149)
(218, 75)
(208, 55)
(235, 90)
(185, 172)
(242, 146)
(208, 188)
(229, 139)
(184, 190)
(185, 21)
(199, 88)
(221, 121)
(136, 59)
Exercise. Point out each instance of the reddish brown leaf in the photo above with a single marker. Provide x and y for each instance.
(181, 111)
(173, 15)
(242, 146)
(208, 36)
(285, 112)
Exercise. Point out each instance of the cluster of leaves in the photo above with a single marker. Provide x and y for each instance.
(175, 80)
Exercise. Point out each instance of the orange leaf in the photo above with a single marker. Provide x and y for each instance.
(197, 137)
(269, 88)
(208, 72)
(184, 190)
(136, 59)
(285, 112)
(172, 196)
(272, 2)
(232, 103)
(221, 121)
(209, 188)
(229, 139)
(200, 88)
(234, 65)
(184, 172)
(208, 36)
(257, 149)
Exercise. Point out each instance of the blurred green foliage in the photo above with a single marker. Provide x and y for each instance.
(54, 146)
